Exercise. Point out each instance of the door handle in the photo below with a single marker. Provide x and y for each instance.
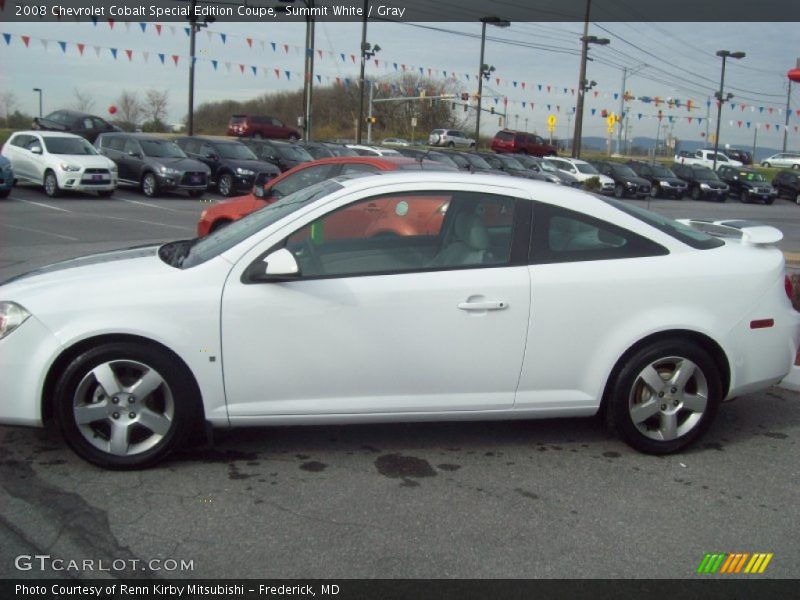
(483, 305)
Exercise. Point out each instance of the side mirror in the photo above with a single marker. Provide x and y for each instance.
(134, 154)
(280, 265)
(212, 156)
(36, 149)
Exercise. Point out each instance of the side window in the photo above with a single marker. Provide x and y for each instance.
(87, 123)
(33, 142)
(116, 143)
(359, 168)
(277, 123)
(206, 150)
(21, 140)
(59, 117)
(131, 146)
(300, 180)
(561, 235)
(99, 123)
(411, 231)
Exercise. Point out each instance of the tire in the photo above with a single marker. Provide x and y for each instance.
(765, 164)
(51, 184)
(257, 136)
(149, 185)
(225, 184)
(654, 191)
(797, 198)
(195, 193)
(107, 423)
(769, 201)
(665, 396)
(450, 145)
(619, 191)
(293, 138)
(105, 193)
(696, 192)
(5, 193)
(745, 197)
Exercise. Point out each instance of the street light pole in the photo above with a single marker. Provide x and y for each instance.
(724, 54)
(308, 87)
(194, 27)
(484, 70)
(40, 100)
(788, 110)
(583, 83)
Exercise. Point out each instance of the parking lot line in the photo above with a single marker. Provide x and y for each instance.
(182, 228)
(41, 204)
(58, 235)
(150, 205)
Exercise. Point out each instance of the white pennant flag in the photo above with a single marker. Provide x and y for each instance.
(209, 34)
(228, 66)
(146, 55)
(266, 71)
(44, 44)
(263, 44)
(97, 51)
(127, 26)
(172, 29)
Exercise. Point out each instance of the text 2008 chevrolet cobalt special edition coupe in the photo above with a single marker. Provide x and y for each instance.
(503, 298)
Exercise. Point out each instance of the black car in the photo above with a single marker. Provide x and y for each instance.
(748, 184)
(510, 165)
(702, 182)
(467, 161)
(548, 171)
(153, 164)
(663, 182)
(283, 155)
(70, 121)
(316, 149)
(787, 184)
(233, 165)
(626, 182)
(743, 156)
(421, 154)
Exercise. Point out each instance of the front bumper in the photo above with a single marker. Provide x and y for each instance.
(81, 181)
(183, 181)
(25, 357)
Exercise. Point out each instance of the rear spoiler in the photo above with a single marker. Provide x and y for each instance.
(749, 232)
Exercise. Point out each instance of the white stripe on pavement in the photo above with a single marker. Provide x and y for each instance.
(41, 204)
(150, 205)
(58, 235)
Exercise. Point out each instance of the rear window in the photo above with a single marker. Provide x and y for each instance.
(236, 119)
(679, 231)
(504, 136)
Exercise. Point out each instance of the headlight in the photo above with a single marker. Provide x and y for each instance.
(705, 186)
(12, 315)
(242, 171)
(113, 168)
(168, 171)
(630, 184)
(68, 167)
(664, 183)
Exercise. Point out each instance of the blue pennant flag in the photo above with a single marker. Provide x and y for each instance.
(143, 27)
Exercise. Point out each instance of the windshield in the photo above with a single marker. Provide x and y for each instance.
(511, 163)
(750, 176)
(659, 171)
(442, 158)
(294, 153)
(477, 161)
(684, 233)
(705, 173)
(161, 149)
(65, 145)
(235, 151)
(226, 238)
(342, 150)
(586, 168)
(623, 171)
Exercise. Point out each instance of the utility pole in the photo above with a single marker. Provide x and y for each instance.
(621, 107)
(364, 48)
(786, 125)
(708, 115)
(308, 84)
(369, 116)
(192, 35)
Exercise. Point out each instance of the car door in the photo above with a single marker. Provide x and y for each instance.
(35, 160)
(131, 159)
(419, 323)
(20, 156)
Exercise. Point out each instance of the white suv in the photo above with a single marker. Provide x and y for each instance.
(60, 161)
(582, 170)
(449, 138)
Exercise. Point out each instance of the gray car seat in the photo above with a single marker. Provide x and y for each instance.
(468, 243)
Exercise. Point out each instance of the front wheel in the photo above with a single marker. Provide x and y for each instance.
(654, 190)
(225, 185)
(619, 191)
(125, 405)
(765, 164)
(450, 145)
(51, 185)
(5, 193)
(696, 193)
(665, 397)
(745, 196)
(149, 185)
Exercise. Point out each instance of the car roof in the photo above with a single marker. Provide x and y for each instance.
(48, 133)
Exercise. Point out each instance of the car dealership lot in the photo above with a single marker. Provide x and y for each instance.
(519, 499)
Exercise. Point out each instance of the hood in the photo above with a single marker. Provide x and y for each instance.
(89, 161)
(253, 165)
(604, 179)
(671, 180)
(180, 164)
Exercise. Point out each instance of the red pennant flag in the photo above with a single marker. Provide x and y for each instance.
(26, 39)
(690, 119)
(111, 23)
(742, 106)
(376, 62)
(320, 54)
(277, 73)
(80, 47)
(770, 109)
(158, 28)
(767, 124)
(249, 42)
(404, 67)
(241, 69)
(286, 48)
(558, 108)
(740, 124)
(523, 85)
(548, 89)
(130, 54)
(353, 58)
(497, 79)
(596, 93)
(175, 58)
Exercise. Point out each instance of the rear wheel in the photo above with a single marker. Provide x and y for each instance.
(149, 185)
(5, 193)
(51, 184)
(257, 136)
(665, 396)
(125, 405)
(450, 145)
(293, 138)
(769, 201)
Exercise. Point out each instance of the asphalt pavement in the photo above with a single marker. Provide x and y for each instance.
(550, 498)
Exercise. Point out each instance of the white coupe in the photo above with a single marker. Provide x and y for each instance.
(60, 161)
(503, 298)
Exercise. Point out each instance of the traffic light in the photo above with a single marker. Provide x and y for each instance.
(452, 106)
(371, 120)
(492, 109)
(465, 96)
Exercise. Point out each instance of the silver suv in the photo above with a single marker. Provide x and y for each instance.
(449, 138)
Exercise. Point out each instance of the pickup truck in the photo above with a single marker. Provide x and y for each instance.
(705, 158)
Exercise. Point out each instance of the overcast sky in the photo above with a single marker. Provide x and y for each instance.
(668, 60)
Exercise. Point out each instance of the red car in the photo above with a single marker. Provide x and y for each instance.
(519, 142)
(257, 126)
(303, 176)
